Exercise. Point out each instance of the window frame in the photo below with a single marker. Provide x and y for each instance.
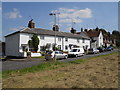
(42, 37)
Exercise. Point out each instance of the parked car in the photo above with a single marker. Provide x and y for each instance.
(56, 55)
(93, 51)
(101, 49)
(76, 52)
(109, 48)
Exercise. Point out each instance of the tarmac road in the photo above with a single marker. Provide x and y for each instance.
(23, 63)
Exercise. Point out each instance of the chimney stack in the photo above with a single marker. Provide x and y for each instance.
(55, 28)
(73, 30)
(31, 24)
(85, 30)
(97, 29)
(81, 29)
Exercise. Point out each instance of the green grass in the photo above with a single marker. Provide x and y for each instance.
(41, 67)
(48, 66)
(39, 57)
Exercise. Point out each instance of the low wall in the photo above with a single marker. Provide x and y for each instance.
(35, 54)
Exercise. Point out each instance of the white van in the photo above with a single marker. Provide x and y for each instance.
(76, 52)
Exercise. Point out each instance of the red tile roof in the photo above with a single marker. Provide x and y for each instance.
(91, 33)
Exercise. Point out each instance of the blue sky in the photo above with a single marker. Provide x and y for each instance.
(15, 16)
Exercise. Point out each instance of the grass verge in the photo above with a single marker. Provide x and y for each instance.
(48, 66)
(39, 57)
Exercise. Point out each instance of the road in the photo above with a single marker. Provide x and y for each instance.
(22, 63)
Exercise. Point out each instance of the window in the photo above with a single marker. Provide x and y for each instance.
(66, 47)
(56, 52)
(42, 37)
(42, 48)
(83, 40)
(66, 39)
(59, 38)
(78, 41)
(23, 48)
(74, 50)
(78, 50)
(59, 47)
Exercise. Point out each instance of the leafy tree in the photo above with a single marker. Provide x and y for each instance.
(30, 43)
(116, 34)
(34, 42)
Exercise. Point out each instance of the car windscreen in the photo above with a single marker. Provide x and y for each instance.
(49, 53)
(56, 52)
(90, 49)
(74, 50)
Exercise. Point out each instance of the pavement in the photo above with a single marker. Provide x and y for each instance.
(15, 64)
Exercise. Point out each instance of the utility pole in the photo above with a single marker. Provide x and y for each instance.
(73, 24)
(54, 14)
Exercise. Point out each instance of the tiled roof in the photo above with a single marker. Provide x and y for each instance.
(93, 33)
(48, 32)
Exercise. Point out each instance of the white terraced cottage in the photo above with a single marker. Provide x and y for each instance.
(96, 37)
(17, 42)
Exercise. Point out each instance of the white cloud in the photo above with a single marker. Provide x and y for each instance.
(14, 14)
(70, 20)
(0, 8)
(75, 13)
(16, 29)
(67, 15)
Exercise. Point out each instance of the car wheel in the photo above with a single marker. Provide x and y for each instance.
(76, 55)
(66, 57)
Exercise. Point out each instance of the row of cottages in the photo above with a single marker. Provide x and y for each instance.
(17, 42)
(109, 40)
(96, 37)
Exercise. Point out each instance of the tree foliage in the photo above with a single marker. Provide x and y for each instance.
(34, 42)
(116, 34)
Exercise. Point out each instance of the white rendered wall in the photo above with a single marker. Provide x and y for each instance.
(100, 40)
(24, 38)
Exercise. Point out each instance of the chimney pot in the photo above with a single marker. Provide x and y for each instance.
(31, 24)
(55, 28)
(73, 30)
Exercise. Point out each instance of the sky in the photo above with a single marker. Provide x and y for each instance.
(16, 15)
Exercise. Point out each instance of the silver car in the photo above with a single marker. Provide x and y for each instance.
(56, 55)
(93, 51)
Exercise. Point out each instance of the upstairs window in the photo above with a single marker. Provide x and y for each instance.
(59, 38)
(83, 40)
(42, 37)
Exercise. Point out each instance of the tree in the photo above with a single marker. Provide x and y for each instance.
(116, 34)
(34, 42)
(30, 43)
